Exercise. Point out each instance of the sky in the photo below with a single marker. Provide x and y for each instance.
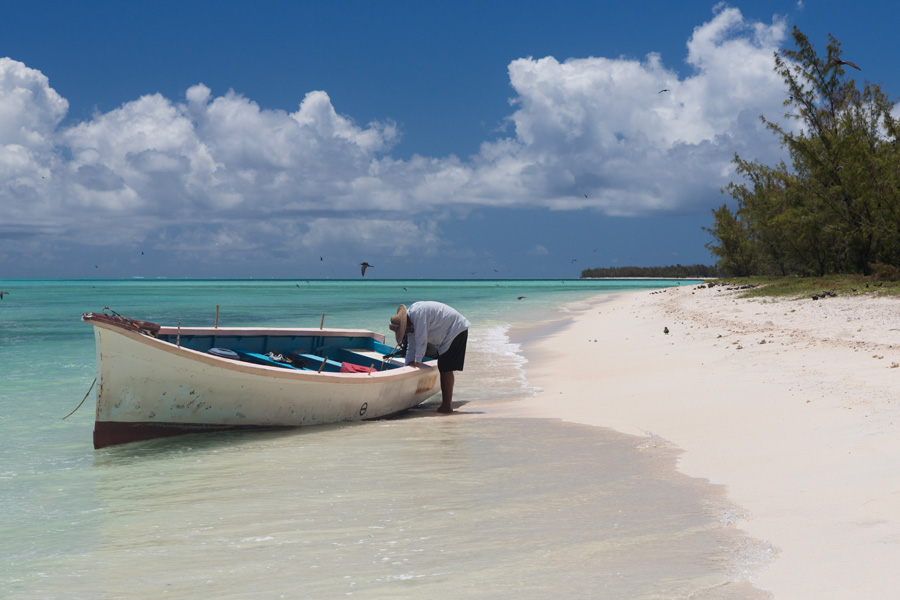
(463, 139)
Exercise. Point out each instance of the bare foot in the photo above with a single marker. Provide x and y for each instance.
(444, 409)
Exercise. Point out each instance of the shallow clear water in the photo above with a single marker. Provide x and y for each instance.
(423, 506)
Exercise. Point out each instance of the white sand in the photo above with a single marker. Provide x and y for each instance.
(791, 404)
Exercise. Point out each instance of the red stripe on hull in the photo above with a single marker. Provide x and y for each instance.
(112, 433)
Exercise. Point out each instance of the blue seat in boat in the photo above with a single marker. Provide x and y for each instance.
(313, 362)
(262, 359)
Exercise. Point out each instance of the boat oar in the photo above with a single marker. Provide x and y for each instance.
(322, 366)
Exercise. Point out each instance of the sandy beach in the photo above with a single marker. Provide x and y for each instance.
(791, 404)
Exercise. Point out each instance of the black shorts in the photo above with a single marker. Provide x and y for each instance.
(455, 356)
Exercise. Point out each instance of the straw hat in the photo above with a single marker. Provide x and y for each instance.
(398, 323)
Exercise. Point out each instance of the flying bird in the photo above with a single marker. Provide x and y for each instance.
(3, 294)
(520, 297)
(844, 62)
(365, 266)
(662, 90)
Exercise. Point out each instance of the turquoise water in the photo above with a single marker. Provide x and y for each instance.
(445, 507)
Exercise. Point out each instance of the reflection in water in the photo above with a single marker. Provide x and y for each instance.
(431, 507)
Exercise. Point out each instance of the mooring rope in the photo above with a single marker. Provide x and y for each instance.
(82, 400)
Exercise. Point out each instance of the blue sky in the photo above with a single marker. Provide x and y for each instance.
(442, 139)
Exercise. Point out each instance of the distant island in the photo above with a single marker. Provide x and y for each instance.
(670, 272)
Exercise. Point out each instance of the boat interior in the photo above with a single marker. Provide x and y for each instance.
(309, 353)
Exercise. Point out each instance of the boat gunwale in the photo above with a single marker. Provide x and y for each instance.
(397, 373)
(271, 331)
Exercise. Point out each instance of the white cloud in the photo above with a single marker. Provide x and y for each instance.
(30, 109)
(589, 133)
(380, 236)
(603, 128)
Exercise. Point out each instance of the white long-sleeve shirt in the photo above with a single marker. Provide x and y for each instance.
(432, 323)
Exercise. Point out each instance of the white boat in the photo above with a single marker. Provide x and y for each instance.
(157, 381)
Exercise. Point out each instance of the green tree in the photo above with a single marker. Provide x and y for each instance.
(837, 209)
(735, 249)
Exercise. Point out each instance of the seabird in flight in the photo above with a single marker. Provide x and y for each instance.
(844, 62)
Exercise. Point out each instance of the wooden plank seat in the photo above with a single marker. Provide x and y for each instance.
(312, 362)
(361, 357)
(366, 358)
(263, 359)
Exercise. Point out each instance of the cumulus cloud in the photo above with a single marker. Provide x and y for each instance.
(29, 109)
(630, 137)
(588, 133)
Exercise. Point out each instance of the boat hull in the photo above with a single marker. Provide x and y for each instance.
(151, 388)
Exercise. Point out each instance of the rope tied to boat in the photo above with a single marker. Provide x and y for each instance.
(82, 400)
(392, 354)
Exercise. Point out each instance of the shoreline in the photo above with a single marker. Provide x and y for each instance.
(790, 404)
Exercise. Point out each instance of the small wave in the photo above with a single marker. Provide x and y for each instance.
(497, 364)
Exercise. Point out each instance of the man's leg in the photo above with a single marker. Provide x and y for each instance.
(447, 380)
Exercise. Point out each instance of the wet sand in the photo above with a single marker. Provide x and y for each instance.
(790, 404)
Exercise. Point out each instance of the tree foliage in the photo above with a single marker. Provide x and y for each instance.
(836, 209)
(668, 272)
